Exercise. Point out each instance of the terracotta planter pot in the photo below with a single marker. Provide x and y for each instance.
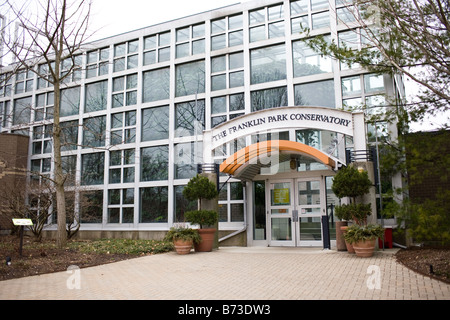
(340, 241)
(207, 242)
(349, 246)
(183, 246)
(364, 248)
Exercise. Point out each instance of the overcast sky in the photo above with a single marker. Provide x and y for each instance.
(112, 17)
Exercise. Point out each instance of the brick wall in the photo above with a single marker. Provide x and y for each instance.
(13, 166)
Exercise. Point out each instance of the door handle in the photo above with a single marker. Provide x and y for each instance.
(295, 215)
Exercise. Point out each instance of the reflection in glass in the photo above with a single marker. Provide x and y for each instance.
(92, 168)
(269, 98)
(156, 85)
(307, 61)
(268, 64)
(155, 123)
(94, 132)
(281, 229)
(153, 205)
(190, 118)
(70, 101)
(190, 78)
(155, 163)
(187, 155)
(319, 94)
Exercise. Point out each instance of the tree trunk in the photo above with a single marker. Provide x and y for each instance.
(59, 179)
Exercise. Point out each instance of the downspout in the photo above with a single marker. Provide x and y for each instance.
(245, 220)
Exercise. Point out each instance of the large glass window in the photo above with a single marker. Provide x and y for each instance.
(22, 111)
(157, 48)
(24, 81)
(97, 63)
(69, 135)
(125, 91)
(94, 132)
(189, 118)
(42, 136)
(269, 98)
(320, 94)
(123, 127)
(156, 85)
(226, 32)
(187, 155)
(70, 101)
(325, 141)
(227, 71)
(155, 163)
(351, 86)
(91, 206)
(126, 55)
(190, 40)
(190, 78)
(182, 205)
(121, 205)
(231, 206)
(121, 166)
(96, 96)
(234, 104)
(266, 23)
(92, 168)
(268, 64)
(153, 205)
(307, 61)
(155, 123)
(44, 106)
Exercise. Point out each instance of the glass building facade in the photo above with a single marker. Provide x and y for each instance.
(134, 111)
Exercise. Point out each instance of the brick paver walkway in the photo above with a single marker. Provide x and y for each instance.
(237, 273)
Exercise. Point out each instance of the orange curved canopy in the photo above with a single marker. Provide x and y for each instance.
(251, 153)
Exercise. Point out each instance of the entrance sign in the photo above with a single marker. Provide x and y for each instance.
(22, 222)
(281, 118)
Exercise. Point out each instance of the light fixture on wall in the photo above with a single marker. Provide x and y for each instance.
(293, 164)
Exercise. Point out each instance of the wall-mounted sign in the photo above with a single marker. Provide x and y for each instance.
(281, 118)
(281, 196)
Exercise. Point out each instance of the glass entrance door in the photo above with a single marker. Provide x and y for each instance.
(295, 208)
(310, 202)
(281, 203)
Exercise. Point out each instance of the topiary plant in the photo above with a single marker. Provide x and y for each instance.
(202, 217)
(198, 188)
(349, 182)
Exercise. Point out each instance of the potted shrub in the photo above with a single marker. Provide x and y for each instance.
(363, 238)
(183, 238)
(349, 182)
(201, 188)
(205, 219)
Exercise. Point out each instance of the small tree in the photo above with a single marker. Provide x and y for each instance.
(349, 182)
(198, 188)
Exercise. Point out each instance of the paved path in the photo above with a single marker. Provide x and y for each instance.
(236, 273)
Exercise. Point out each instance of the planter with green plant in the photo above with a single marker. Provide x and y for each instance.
(201, 188)
(363, 238)
(205, 219)
(350, 182)
(183, 238)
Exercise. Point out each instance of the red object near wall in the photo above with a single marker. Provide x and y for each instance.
(387, 238)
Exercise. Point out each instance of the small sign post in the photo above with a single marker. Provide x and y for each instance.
(22, 223)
